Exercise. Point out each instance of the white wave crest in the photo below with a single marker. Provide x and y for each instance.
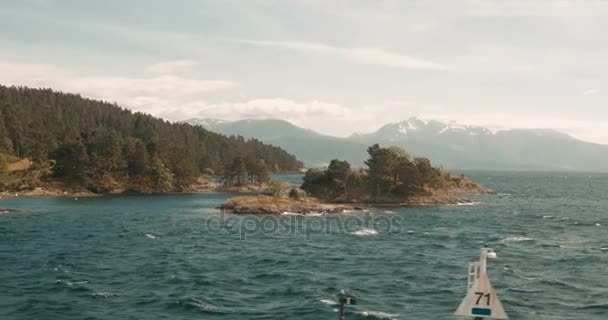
(365, 232)
(515, 239)
(151, 236)
(378, 315)
(468, 204)
(328, 302)
(314, 214)
(287, 213)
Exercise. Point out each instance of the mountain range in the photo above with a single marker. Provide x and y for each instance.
(451, 145)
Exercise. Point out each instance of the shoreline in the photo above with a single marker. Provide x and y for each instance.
(455, 196)
(57, 191)
(283, 205)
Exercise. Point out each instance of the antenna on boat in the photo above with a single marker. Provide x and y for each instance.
(481, 300)
(345, 298)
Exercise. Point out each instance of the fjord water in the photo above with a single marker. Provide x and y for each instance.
(176, 257)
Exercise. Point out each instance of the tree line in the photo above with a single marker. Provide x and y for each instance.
(101, 146)
(390, 173)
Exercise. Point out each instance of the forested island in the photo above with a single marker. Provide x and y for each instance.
(391, 177)
(54, 143)
(65, 143)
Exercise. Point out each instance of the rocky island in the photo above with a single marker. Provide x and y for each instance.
(392, 178)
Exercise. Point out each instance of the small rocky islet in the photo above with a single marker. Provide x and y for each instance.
(281, 204)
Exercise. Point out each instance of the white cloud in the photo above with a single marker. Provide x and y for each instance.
(275, 107)
(149, 94)
(537, 8)
(171, 67)
(177, 98)
(322, 116)
(590, 92)
(166, 86)
(373, 56)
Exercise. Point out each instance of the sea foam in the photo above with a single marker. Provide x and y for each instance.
(378, 315)
(365, 232)
(515, 239)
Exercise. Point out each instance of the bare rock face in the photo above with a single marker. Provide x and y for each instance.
(279, 205)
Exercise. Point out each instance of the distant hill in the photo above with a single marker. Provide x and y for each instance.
(450, 144)
(314, 149)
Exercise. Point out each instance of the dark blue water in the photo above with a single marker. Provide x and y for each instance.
(175, 257)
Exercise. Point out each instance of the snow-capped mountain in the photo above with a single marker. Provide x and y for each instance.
(426, 128)
(205, 123)
(449, 144)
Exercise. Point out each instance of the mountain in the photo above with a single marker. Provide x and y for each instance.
(449, 144)
(314, 149)
(472, 147)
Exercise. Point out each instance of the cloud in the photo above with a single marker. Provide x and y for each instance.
(178, 98)
(174, 97)
(538, 8)
(274, 107)
(373, 56)
(167, 86)
(171, 67)
(149, 94)
(590, 92)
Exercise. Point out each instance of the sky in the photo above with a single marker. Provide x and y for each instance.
(338, 67)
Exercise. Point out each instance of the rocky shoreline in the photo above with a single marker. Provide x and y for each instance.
(267, 201)
(48, 192)
(57, 190)
(306, 205)
(283, 205)
(280, 205)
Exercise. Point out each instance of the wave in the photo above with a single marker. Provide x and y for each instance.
(287, 213)
(378, 315)
(297, 214)
(202, 306)
(328, 302)
(468, 204)
(103, 295)
(515, 239)
(599, 307)
(365, 232)
(151, 236)
(314, 214)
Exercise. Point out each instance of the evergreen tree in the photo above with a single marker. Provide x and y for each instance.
(161, 176)
(3, 166)
(94, 143)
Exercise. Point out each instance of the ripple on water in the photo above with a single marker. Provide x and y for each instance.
(73, 263)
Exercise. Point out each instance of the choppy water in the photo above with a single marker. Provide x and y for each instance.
(173, 257)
